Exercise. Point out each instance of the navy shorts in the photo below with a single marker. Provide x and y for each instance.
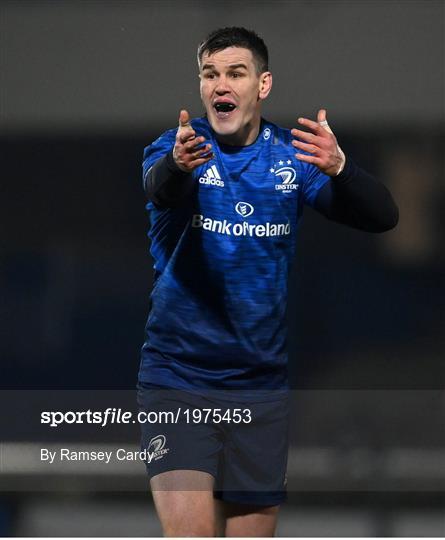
(242, 443)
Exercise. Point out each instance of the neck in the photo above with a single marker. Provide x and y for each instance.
(245, 136)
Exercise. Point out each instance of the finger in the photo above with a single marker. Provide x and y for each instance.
(185, 134)
(185, 131)
(314, 126)
(184, 118)
(307, 147)
(304, 135)
(190, 146)
(321, 118)
(189, 157)
(309, 137)
(200, 161)
(309, 159)
(201, 152)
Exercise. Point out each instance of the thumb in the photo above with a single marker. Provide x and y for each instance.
(321, 119)
(321, 116)
(184, 118)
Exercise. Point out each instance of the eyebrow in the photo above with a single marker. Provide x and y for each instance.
(231, 66)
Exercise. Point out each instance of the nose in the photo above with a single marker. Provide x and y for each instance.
(222, 87)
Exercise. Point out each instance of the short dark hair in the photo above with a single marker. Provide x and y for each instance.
(235, 36)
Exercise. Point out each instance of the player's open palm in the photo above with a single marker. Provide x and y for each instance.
(325, 153)
(189, 151)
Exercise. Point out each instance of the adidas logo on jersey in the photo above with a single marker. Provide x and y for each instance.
(211, 177)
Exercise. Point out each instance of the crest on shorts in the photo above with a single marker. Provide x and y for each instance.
(156, 447)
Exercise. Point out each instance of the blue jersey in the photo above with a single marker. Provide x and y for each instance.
(217, 315)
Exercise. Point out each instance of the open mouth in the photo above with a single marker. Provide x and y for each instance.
(223, 109)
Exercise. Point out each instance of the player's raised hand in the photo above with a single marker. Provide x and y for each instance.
(189, 151)
(325, 152)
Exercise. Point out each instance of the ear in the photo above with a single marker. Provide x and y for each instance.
(265, 84)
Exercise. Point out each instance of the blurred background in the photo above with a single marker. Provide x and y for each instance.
(85, 86)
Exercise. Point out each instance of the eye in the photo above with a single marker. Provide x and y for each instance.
(236, 75)
(209, 75)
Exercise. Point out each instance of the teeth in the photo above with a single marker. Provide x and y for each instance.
(224, 107)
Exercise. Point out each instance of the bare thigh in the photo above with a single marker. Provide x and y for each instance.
(184, 502)
(243, 520)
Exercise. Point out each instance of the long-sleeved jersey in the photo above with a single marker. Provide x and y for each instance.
(217, 316)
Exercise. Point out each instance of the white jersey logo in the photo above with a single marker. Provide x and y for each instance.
(244, 209)
(286, 174)
(212, 177)
(240, 229)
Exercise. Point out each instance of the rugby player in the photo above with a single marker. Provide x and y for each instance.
(225, 196)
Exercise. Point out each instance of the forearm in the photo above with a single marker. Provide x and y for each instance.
(357, 199)
(165, 184)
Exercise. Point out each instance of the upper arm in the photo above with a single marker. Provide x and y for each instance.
(314, 181)
(324, 199)
(156, 150)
